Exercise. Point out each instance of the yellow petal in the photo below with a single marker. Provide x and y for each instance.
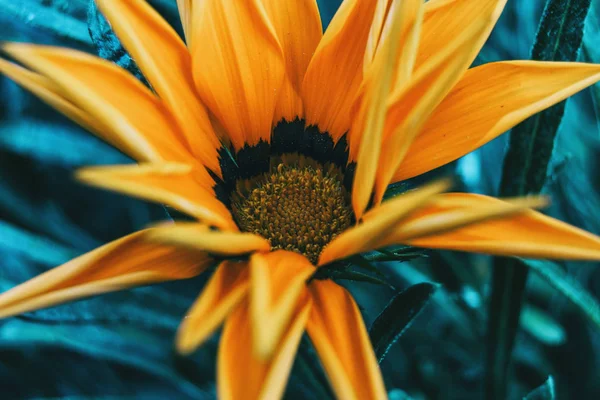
(46, 90)
(238, 66)
(488, 101)
(185, 14)
(410, 106)
(524, 234)
(378, 223)
(379, 79)
(165, 61)
(335, 72)
(382, 10)
(278, 280)
(223, 292)
(201, 237)
(412, 19)
(124, 263)
(299, 30)
(138, 122)
(338, 333)
(452, 211)
(177, 185)
(240, 374)
(447, 18)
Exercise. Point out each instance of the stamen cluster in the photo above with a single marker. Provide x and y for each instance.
(297, 208)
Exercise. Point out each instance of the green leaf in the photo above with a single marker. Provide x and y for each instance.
(525, 168)
(542, 326)
(362, 262)
(397, 316)
(39, 139)
(108, 45)
(559, 38)
(567, 286)
(397, 394)
(396, 189)
(545, 392)
(63, 20)
(356, 276)
(399, 254)
(508, 288)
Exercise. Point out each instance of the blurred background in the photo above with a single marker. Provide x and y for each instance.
(120, 345)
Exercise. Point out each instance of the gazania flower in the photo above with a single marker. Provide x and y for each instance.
(281, 141)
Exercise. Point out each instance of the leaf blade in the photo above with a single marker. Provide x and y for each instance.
(397, 316)
(546, 391)
(525, 167)
(569, 287)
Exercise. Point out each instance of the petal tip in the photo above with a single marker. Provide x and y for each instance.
(184, 346)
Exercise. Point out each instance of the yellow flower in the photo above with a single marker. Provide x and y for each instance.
(281, 141)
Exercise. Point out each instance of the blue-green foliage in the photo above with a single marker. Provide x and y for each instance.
(525, 167)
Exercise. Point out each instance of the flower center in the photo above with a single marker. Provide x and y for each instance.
(299, 208)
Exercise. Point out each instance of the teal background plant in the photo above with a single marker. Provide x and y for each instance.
(428, 322)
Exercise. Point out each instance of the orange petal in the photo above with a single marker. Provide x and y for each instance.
(46, 90)
(166, 63)
(338, 333)
(223, 292)
(526, 233)
(380, 17)
(488, 101)
(452, 211)
(202, 237)
(138, 122)
(410, 32)
(238, 66)
(447, 18)
(177, 185)
(240, 374)
(299, 30)
(378, 223)
(124, 263)
(278, 280)
(378, 82)
(335, 72)
(410, 106)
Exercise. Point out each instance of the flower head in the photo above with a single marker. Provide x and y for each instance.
(280, 140)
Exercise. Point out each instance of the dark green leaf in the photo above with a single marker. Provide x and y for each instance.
(38, 248)
(39, 140)
(364, 263)
(567, 286)
(508, 287)
(544, 392)
(108, 45)
(559, 38)
(542, 326)
(396, 189)
(397, 316)
(307, 380)
(531, 143)
(397, 253)
(356, 276)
